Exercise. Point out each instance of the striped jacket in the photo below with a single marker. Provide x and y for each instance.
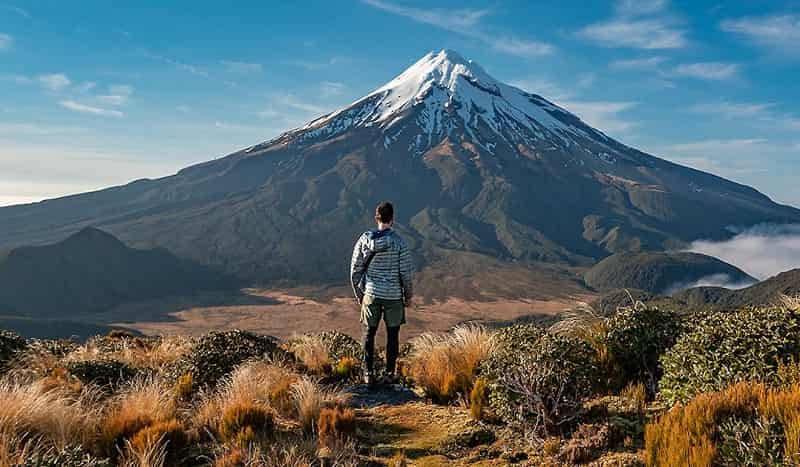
(389, 273)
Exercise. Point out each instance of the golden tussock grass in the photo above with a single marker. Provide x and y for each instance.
(335, 425)
(154, 354)
(245, 418)
(310, 398)
(313, 353)
(444, 365)
(171, 434)
(54, 417)
(686, 434)
(144, 402)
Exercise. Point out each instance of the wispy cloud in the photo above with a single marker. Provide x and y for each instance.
(89, 109)
(117, 95)
(466, 22)
(639, 25)
(37, 129)
(711, 71)
(731, 110)
(6, 41)
(85, 87)
(241, 67)
(293, 102)
(603, 115)
(644, 63)
(195, 70)
(543, 87)
(312, 65)
(17, 10)
(780, 33)
(331, 88)
(55, 82)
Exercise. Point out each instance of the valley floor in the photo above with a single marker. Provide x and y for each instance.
(281, 313)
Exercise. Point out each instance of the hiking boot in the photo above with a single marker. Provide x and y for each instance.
(369, 379)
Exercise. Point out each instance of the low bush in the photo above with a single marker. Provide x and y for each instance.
(726, 347)
(637, 338)
(10, 346)
(105, 373)
(540, 379)
(216, 354)
(445, 365)
(746, 424)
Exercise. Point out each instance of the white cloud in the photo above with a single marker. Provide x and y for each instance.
(36, 129)
(466, 22)
(644, 63)
(117, 95)
(543, 87)
(712, 71)
(195, 70)
(602, 115)
(635, 33)
(293, 102)
(6, 41)
(778, 32)
(83, 108)
(242, 67)
(54, 82)
(86, 86)
(639, 7)
(733, 109)
(762, 251)
(24, 13)
(331, 89)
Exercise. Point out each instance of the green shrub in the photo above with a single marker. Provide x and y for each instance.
(69, 456)
(107, 373)
(10, 345)
(216, 354)
(539, 379)
(723, 348)
(637, 337)
(340, 345)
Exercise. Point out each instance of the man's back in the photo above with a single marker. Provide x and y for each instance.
(388, 271)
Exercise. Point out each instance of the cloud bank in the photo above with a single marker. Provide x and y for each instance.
(761, 251)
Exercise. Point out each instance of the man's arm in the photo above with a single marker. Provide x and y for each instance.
(406, 274)
(357, 270)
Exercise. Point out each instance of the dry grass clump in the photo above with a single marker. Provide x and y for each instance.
(242, 421)
(54, 418)
(282, 452)
(154, 354)
(335, 425)
(313, 353)
(265, 383)
(478, 399)
(310, 398)
(445, 365)
(767, 423)
(169, 438)
(143, 403)
(636, 395)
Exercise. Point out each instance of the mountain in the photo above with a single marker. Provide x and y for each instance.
(764, 293)
(475, 167)
(92, 271)
(662, 273)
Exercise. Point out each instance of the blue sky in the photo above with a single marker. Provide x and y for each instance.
(97, 93)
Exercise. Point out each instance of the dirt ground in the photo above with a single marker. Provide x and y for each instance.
(282, 313)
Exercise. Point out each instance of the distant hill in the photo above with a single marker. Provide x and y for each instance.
(660, 273)
(92, 271)
(762, 293)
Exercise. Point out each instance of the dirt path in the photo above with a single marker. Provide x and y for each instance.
(394, 422)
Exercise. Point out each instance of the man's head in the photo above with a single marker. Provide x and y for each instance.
(384, 214)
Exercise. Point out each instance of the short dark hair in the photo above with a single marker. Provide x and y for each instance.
(384, 212)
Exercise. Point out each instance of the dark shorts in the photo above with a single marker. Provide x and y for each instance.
(392, 311)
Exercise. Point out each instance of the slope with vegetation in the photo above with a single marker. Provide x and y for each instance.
(639, 386)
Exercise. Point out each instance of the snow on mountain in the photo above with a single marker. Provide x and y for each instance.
(444, 93)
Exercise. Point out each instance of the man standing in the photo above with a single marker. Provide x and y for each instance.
(380, 273)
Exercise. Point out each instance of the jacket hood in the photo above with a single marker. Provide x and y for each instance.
(379, 240)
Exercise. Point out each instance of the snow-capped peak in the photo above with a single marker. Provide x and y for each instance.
(448, 92)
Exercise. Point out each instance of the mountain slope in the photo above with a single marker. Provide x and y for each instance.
(473, 165)
(767, 292)
(92, 271)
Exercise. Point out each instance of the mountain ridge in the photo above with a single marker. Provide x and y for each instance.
(469, 174)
